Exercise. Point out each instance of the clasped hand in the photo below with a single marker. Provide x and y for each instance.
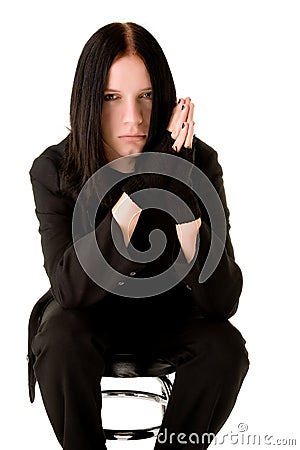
(181, 125)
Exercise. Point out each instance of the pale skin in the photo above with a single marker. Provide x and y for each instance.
(126, 118)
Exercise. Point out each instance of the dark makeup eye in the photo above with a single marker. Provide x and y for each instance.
(148, 95)
(109, 97)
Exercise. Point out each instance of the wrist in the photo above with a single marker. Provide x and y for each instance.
(126, 213)
(187, 237)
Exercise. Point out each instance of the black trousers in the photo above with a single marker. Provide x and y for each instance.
(71, 348)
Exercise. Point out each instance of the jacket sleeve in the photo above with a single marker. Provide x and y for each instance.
(70, 284)
(219, 295)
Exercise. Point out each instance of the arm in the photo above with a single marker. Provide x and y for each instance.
(70, 284)
(181, 127)
(219, 295)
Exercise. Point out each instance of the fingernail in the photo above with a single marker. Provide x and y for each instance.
(183, 125)
(179, 101)
(182, 107)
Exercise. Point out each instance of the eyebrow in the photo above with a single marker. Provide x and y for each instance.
(116, 90)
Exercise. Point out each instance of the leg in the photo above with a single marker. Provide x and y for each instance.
(69, 365)
(211, 363)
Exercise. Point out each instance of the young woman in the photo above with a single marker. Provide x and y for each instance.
(125, 119)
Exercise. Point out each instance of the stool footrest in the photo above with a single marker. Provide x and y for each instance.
(135, 434)
(144, 395)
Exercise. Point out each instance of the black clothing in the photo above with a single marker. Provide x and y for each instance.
(67, 345)
(71, 348)
(71, 286)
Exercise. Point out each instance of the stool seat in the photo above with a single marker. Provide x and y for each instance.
(128, 365)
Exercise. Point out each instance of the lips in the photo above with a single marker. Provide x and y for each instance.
(132, 137)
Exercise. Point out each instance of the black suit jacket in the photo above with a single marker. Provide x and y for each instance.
(217, 297)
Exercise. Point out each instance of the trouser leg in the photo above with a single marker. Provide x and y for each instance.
(211, 362)
(69, 365)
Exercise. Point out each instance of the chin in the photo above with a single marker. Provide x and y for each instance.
(131, 151)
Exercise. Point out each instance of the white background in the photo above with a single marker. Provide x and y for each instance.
(239, 62)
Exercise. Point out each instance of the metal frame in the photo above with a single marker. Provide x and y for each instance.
(140, 433)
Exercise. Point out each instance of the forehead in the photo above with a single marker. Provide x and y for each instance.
(128, 72)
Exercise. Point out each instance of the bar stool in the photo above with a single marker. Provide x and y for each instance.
(131, 366)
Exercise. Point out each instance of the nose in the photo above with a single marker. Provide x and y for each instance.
(132, 112)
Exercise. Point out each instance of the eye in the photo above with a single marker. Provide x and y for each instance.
(148, 95)
(109, 97)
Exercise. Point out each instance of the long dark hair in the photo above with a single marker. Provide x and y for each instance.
(83, 154)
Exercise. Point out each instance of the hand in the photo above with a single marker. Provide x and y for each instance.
(181, 125)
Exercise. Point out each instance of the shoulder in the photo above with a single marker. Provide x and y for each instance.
(46, 166)
(206, 157)
(202, 150)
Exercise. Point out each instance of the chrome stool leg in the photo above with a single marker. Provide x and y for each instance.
(166, 389)
(139, 433)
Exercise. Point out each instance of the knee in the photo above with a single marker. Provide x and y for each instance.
(65, 344)
(229, 351)
(63, 333)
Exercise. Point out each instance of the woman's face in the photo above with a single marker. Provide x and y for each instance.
(126, 108)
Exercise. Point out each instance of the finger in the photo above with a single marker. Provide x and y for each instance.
(181, 118)
(190, 116)
(189, 137)
(181, 137)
